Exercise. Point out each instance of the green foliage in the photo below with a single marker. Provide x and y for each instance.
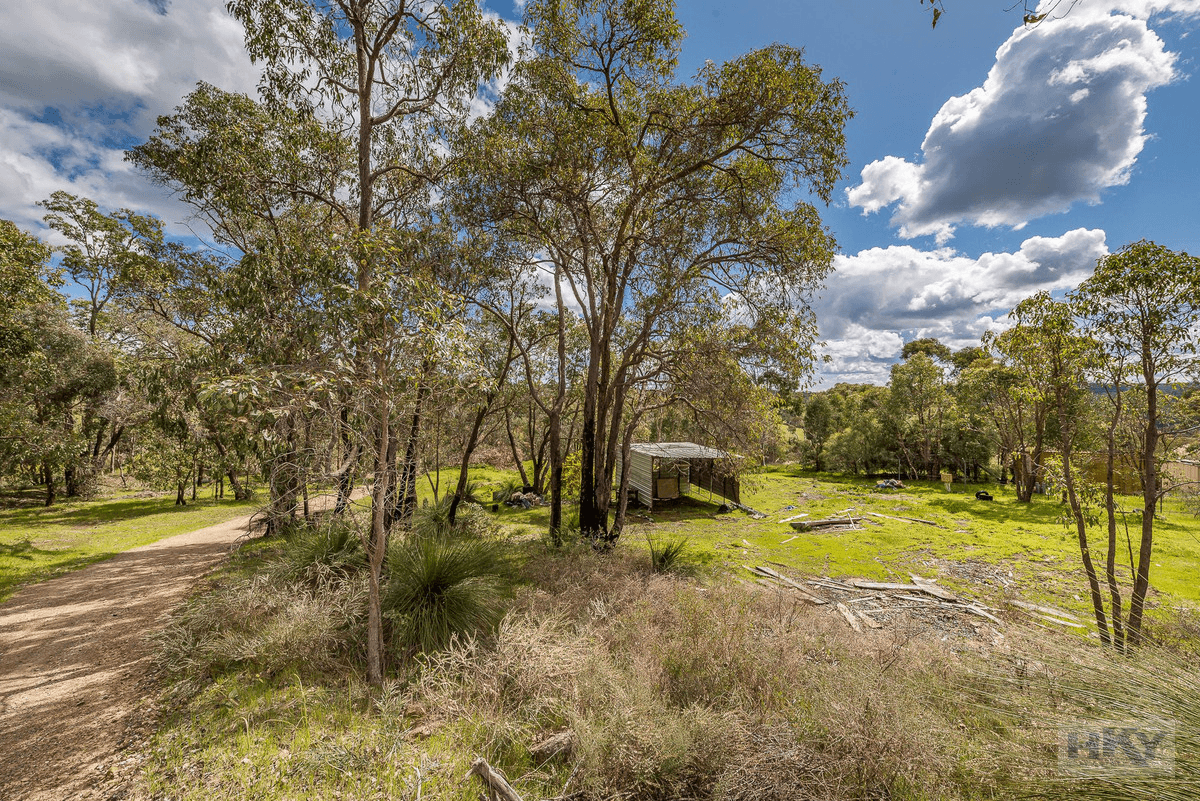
(439, 588)
(329, 550)
(433, 519)
(666, 556)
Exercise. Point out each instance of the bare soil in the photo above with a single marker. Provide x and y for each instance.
(74, 684)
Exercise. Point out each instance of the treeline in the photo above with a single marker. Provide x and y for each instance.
(1073, 395)
(435, 232)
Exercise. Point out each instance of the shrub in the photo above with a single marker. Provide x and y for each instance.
(665, 556)
(433, 520)
(438, 588)
(326, 552)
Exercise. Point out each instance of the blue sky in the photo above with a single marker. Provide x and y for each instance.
(988, 160)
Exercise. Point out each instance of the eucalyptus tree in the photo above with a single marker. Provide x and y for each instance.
(1010, 387)
(1142, 304)
(1061, 357)
(659, 206)
(921, 404)
(105, 251)
(391, 76)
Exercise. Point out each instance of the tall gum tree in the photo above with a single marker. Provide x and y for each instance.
(388, 78)
(659, 206)
(1142, 304)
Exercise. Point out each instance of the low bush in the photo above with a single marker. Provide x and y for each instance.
(328, 551)
(262, 625)
(666, 556)
(439, 588)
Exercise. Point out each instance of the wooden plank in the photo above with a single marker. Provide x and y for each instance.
(769, 573)
(975, 610)
(907, 519)
(927, 588)
(850, 618)
(931, 587)
(1046, 610)
(806, 525)
(833, 585)
(794, 517)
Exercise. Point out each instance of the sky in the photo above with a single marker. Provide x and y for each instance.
(988, 160)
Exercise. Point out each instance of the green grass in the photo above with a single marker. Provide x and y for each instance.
(1030, 540)
(38, 542)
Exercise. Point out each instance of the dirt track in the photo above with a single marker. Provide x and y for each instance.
(73, 662)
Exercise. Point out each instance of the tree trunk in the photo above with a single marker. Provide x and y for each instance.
(1081, 531)
(376, 548)
(180, 488)
(1110, 566)
(48, 478)
(1141, 584)
(406, 490)
(512, 443)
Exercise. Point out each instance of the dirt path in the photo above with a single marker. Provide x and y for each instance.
(73, 662)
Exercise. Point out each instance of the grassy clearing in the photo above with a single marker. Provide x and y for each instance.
(38, 542)
(1013, 546)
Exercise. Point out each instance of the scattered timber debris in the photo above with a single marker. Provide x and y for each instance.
(754, 513)
(496, 786)
(1049, 614)
(876, 603)
(778, 577)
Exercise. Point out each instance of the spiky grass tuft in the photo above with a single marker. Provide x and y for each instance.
(666, 556)
(439, 588)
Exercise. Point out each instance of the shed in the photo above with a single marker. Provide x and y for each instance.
(665, 470)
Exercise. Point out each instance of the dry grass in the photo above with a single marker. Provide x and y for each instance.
(673, 689)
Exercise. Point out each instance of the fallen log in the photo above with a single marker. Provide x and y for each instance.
(495, 784)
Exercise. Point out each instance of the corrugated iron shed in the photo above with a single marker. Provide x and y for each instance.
(679, 450)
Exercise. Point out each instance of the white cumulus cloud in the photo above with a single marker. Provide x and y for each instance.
(82, 81)
(879, 298)
(1059, 119)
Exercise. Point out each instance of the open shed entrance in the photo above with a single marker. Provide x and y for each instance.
(660, 471)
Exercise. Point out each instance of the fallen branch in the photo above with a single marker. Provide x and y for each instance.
(495, 785)
(1046, 610)
(907, 519)
(777, 576)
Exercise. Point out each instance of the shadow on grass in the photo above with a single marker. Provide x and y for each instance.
(11, 582)
(92, 513)
(678, 510)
